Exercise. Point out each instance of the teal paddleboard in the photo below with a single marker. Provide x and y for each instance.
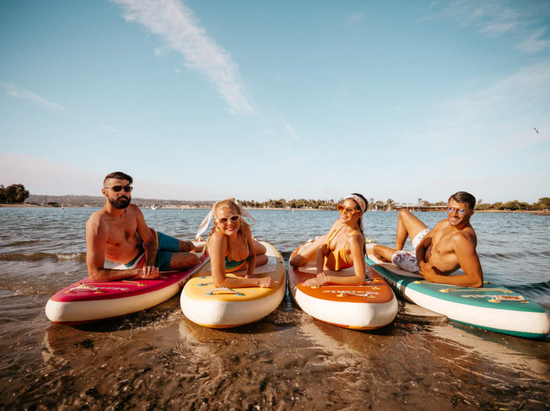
(492, 307)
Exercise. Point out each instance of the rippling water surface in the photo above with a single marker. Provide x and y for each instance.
(157, 359)
(43, 249)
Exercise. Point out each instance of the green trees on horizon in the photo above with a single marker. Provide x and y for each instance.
(14, 194)
(515, 205)
(17, 194)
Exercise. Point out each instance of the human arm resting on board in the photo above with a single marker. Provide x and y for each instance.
(320, 259)
(96, 239)
(356, 244)
(467, 259)
(425, 244)
(309, 253)
(251, 259)
(217, 248)
(148, 270)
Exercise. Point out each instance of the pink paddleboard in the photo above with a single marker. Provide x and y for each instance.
(89, 300)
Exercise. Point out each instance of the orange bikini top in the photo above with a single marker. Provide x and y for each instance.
(336, 259)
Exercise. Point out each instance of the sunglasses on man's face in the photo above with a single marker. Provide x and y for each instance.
(233, 218)
(117, 189)
(460, 211)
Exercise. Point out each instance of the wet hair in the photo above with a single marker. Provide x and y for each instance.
(119, 175)
(229, 203)
(464, 197)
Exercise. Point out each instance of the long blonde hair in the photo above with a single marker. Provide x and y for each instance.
(229, 203)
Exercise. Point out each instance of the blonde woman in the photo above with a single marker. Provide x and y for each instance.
(232, 248)
(342, 247)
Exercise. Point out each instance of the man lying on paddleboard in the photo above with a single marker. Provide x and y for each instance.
(118, 233)
(442, 251)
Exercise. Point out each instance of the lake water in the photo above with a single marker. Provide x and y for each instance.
(158, 359)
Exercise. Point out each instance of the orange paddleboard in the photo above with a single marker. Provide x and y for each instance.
(361, 307)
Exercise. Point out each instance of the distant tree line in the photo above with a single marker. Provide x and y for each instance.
(542, 204)
(282, 203)
(389, 204)
(14, 194)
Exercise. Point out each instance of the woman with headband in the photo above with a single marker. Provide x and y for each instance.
(232, 248)
(342, 247)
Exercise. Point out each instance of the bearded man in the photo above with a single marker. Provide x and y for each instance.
(118, 233)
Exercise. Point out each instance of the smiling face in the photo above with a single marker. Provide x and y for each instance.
(346, 214)
(455, 218)
(228, 226)
(119, 200)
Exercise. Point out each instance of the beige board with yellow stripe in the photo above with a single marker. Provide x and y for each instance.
(225, 307)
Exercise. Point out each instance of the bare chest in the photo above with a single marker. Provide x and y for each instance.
(442, 244)
(122, 233)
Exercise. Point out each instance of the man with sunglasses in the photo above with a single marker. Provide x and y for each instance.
(442, 251)
(118, 233)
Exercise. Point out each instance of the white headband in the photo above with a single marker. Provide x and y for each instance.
(204, 225)
(360, 202)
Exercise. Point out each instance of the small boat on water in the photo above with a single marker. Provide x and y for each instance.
(156, 206)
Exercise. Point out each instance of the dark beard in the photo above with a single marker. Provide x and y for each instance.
(120, 203)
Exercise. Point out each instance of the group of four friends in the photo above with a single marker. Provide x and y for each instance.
(118, 233)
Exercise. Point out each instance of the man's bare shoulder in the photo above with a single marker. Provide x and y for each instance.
(96, 219)
(441, 225)
(464, 237)
(133, 211)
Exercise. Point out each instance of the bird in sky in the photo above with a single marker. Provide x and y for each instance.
(536, 130)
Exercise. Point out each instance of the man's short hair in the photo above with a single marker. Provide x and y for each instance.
(119, 175)
(464, 197)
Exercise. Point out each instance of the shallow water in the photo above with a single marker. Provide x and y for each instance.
(157, 359)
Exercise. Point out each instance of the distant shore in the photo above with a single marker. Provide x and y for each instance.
(534, 212)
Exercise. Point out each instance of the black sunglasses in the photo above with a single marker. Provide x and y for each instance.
(116, 189)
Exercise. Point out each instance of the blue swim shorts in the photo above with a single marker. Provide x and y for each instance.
(166, 245)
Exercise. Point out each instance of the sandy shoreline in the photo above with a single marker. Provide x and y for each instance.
(158, 359)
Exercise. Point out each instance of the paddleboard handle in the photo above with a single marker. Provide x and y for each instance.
(212, 292)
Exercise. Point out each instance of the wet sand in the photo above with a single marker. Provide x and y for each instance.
(158, 359)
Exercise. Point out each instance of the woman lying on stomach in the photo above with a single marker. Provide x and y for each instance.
(342, 247)
(232, 248)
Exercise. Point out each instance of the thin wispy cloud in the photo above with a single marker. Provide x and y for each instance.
(291, 131)
(114, 130)
(534, 43)
(491, 17)
(14, 91)
(496, 18)
(505, 111)
(497, 29)
(179, 27)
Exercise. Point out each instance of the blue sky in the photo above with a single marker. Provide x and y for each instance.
(277, 99)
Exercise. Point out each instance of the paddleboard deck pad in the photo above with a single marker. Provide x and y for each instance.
(232, 307)
(88, 300)
(492, 307)
(361, 307)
